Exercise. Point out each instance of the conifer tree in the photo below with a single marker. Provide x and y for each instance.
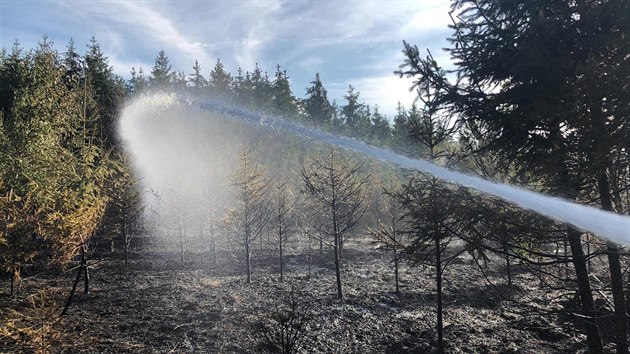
(255, 91)
(282, 207)
(523, 72)
(108, 92)
(220, 83)
(250, 216)
(56, 173)
(283, 101)
(73, 63)
(338, 188)
(161, 74)
(196, 79)
(179, 81)
(380, 130)
(355, 115)
(125, 216)
(138, 81)
(318, 108)
(391, 227)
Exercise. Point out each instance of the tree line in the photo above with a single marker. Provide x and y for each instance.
(537, 97)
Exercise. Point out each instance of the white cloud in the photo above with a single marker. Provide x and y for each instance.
(356, 42)
(429, 16)
(144, 21)
(123, 67)
(311, 63)
(385, 91)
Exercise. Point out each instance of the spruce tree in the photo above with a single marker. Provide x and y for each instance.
(318, 109)
(338, 188)
(196, 79)
(220, 83)
(107, 89)
(355, 115)
(525, 88)
(161, 74)
(283, 101)
(250, 216)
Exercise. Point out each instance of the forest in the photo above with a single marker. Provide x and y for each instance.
(199, 232)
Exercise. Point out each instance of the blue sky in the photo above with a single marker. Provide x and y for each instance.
(347, 42)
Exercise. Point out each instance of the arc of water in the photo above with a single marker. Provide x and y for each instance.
(613, 226)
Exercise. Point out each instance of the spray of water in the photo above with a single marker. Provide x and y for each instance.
(612, 226)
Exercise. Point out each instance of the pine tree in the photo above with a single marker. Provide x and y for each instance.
(55, 171)
(391, 226)
(161, 74)
(262, 89)
(250, 216)
(355, 115)
(380, 130)
(282, 207)
(283, 101)
(108, 92)
(125, 214)
(318, 109)
(523, 72)
(196, 79)
(179, 81)
(73, 63)
(434, 217)
(138, 81)
(221, 83)
(338, 189)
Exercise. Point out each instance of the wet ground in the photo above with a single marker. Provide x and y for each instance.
(156, 304)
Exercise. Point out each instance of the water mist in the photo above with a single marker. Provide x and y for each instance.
(165, 155)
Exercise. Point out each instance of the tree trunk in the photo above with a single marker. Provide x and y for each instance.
(310, 252)
(438, 282)
(281, 263)
(616, 274)
(396, 271)
(616, 278)
(508, 266)
(213, 250)
(86, 272)
(337, 268)
(574, 237)
(181, 241)
(340, 247)
(248, 264)
(586, 296)
(74, 289)
(566, 259)
(126, 246)
(588, 253)
(13, 266)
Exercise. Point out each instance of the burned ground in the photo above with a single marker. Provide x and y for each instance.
(158, 305)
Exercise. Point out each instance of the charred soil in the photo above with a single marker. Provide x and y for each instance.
(156, 304)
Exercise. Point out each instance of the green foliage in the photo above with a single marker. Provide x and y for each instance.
(318, 109)
(283, 101)
(220, 83)
(53, 173)
(196, 79)
(138, 81)
(356, 115)
(107, 89)
(124, 218)
(161, 74)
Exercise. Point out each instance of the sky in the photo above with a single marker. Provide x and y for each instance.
(346, 42)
